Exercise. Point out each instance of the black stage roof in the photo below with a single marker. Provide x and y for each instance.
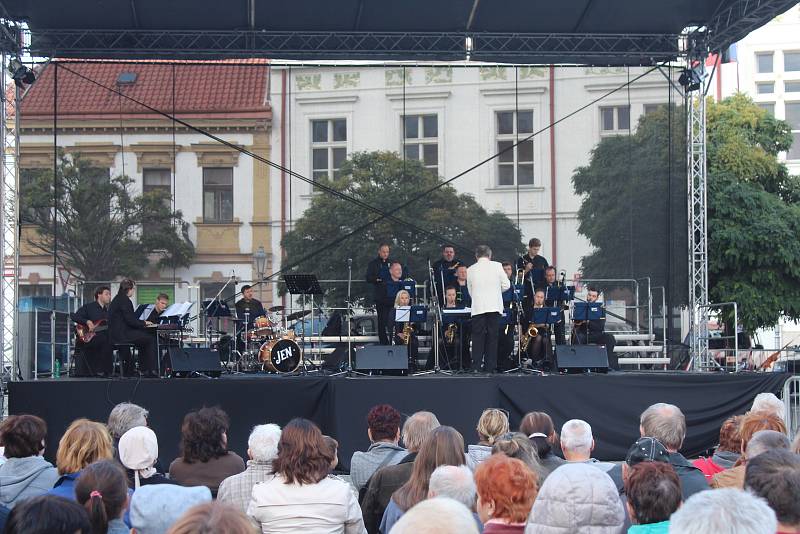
(519, 31)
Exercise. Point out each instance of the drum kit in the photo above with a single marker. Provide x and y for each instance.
(268, 342)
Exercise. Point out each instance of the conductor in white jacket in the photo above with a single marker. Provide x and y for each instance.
(486, 282)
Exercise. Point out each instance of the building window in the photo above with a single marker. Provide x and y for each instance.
(217, 194)
(764, 62)
(765, 88)
(328, 148)
(652, 108)
(515, 165)
(791, 61)
(791, 87)
(793, 118)
(615, 120)
(35, 290)
(157, 180)
(768, 106)
(421, 139)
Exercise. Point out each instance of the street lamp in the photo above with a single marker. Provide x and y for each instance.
(260, 263)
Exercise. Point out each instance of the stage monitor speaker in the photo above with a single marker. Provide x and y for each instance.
(382, 358)
(581, 358)
(186, 361)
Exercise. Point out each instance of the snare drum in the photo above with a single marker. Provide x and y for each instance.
(280, 355)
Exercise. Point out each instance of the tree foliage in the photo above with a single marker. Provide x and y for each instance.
(383, 180)
(98, 233)
(753, 211)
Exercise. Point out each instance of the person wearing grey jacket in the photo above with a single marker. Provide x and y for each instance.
(25, 473)
(383, 430)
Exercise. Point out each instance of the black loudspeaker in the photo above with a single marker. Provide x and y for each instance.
(185, 361)
(581, 358)
(382, 358)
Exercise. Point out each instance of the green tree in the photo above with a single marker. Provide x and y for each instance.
(383, 180)
(753, 211)
(98, 233)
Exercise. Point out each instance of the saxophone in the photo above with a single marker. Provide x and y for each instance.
(450, 333)
(531, 333)
(406, 334)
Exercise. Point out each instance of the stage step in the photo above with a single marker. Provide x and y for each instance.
(644, 361)
(638, 348)
(624, 336)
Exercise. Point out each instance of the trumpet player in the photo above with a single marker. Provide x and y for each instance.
(463, 297)
(444, 270)
(404, 331)
(508, 323)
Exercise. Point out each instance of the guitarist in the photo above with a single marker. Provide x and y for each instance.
(94, 354)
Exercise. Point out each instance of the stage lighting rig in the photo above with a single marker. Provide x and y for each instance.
(21, 74)
(691, 79)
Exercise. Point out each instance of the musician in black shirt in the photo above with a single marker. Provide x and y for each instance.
(552, 289)
(445, 269)
(594, 331)
(377, 275)
(125, 327)
(532, 260)
(94, 358)
(463, 297)
(161, 303)
(248, 308)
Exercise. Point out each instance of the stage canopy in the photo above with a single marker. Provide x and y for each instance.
(622, 32)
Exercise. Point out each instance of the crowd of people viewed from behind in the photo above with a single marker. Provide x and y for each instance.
(418, 476)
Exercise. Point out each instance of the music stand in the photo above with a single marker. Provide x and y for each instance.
(588, 311)
(304, 284)
(459, 317)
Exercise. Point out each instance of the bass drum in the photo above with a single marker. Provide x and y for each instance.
(280, 356)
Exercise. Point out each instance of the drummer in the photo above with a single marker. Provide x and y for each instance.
(249, 309)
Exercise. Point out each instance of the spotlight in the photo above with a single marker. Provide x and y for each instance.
(690, 80)
(21, 74)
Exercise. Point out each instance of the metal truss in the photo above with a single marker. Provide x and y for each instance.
(9, 215)
(522, 47)
(697, 211)
(736, 18)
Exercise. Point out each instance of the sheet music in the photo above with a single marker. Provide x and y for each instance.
(456, 311)
(179, 309)
(402, 314)
(146, 312)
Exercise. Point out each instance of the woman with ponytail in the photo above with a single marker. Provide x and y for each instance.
(102, 490)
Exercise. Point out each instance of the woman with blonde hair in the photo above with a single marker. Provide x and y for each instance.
(492, 424)
(84, 443)
(404, 333)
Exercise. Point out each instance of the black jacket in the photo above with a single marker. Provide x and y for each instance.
(692, 479)
(123, 325)
(380, 487)
(90, 311)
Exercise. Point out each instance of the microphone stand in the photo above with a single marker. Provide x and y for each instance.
(437, 321)
(349, 371)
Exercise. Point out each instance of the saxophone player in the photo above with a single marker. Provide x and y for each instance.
(505, 339)
(552, 288)
(536, 338)
(404, 332)
(455, 340)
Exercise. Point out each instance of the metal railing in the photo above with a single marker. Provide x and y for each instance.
(712, 362)
(791, 405)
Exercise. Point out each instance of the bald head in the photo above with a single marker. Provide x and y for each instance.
(417, 428)
(666, 423)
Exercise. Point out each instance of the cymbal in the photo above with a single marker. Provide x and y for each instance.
(276, 309)
(297, 315)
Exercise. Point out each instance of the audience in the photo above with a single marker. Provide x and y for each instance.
(436, 516)
(728, 451)
(123, 417)
(579, 499)
(517, 445)
(333, 447)
(643, 450)
(775, 477)
(84, 443)
(444, 446)
(723, 511)
(492, 424)
(301, 496)
(262, 448)
(138, 453)
(386, 480)
(383, 430)
(48, 514)
(770, 403)
(796, 443)
(506, 491)
(653, 492)
(102, 490)
(577, 444)
(457, 483)
(751, 423)
(205, 459)
(155, 508)
(540, 430)
(666, 423)
(211, 518)
(25, 473)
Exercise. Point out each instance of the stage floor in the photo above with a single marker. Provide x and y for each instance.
(610, 403)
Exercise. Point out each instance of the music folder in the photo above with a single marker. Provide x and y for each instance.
(144, 311)
(588, 311)
(547, 315)
(456, 315)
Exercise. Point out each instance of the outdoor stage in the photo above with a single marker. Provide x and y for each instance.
(610, 403)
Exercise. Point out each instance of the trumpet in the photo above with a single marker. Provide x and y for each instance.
(529, 334)
(406, 334)
(450, 333)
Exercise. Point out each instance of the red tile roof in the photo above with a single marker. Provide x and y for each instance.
(219, 89)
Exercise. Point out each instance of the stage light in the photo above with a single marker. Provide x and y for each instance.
(690, 80)
(21, 74)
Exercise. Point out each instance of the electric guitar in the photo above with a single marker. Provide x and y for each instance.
(85, 335)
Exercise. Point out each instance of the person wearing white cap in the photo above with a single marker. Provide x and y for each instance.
(138, 452)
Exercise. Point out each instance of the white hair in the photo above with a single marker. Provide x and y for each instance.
(455, 482)
(125, 416)
(666, 423)
(768, 402)
(436, 516)
(728, 510)
(576, 436)
(263, 442)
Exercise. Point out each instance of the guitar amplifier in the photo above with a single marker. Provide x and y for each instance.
(581, 358)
